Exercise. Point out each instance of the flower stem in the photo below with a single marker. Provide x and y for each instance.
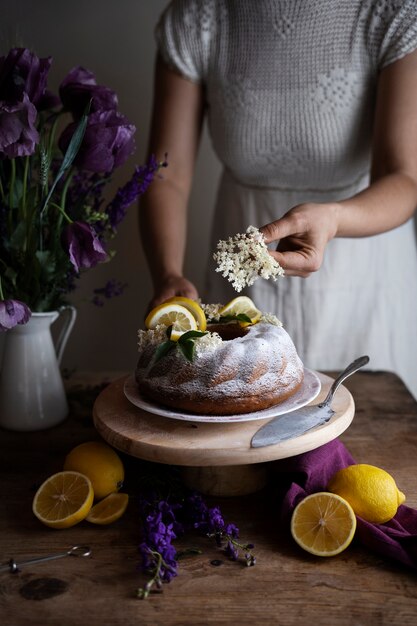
(25, 180)
(62, 212)
(12, 182)
(1, 290)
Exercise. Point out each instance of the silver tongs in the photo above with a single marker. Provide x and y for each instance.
(13, 566)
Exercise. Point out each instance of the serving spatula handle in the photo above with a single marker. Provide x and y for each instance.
(351, 369)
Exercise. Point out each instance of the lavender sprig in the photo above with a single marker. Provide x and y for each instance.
(166, 518)
(135, 187)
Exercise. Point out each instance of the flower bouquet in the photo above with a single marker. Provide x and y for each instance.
(57, 154)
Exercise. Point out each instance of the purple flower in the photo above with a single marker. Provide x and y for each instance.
(79, 87)
(83, 246)
(18, 135)
(107, 143)
(23, 72)
(13, 312)
(111, 289)
(135, 187)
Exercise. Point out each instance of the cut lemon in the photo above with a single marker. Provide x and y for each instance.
(242, 305)
(63, 500)
(109, 509)
(323, 524)
(172, 314)
(194, 308)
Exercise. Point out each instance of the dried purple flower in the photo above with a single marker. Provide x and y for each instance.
(13, 312)
(83, 246)
(18, 134)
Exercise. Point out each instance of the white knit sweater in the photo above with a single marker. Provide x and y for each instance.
(290, 84)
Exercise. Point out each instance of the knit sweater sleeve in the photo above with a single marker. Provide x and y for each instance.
(183, 34)
(392, 30)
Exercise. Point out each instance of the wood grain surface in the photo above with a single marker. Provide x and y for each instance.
(287, 586)
(165, 440)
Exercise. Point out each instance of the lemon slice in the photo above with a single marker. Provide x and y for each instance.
(172, 314)
(109, 509)
(323, 524)
(64, 499)
(239, 305)
(194, 308)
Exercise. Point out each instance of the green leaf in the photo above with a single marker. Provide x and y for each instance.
(241, 317)
(47, 263)
(191, 334)
(163, 349)
(70, 154)
(188, 349)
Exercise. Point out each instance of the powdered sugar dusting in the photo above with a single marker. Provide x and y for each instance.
(262, 361)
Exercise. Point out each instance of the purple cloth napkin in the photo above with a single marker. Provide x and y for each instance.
(310, 472)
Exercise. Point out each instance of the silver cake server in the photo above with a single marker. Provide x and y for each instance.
(290, 425)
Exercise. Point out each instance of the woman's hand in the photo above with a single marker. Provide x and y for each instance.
(173, 286)
(302, 236)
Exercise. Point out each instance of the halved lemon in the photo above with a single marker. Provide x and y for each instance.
(109, 509)
(323, 524)
(194, 308)
(239, 305)
(172, 314)
(64, 499)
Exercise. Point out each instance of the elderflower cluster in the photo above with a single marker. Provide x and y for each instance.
(270, 318)
(212, 311)
(151, 337)
(244, 258)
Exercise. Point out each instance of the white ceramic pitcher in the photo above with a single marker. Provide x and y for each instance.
(32, 394)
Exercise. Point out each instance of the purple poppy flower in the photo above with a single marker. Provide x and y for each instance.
(23, 72)
(79, 87)
(18, 135)
(13, 312)
(83, 246)
(107, 143)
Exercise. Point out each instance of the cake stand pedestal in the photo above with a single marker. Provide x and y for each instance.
(216, 458)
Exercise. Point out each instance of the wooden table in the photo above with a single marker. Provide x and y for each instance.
(287, 586)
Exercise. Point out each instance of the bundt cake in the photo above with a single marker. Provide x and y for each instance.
(235, 368)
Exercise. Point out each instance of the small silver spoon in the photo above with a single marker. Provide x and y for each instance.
(13, 566)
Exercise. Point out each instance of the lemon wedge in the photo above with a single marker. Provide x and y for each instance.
(109, 509)
(172, 314)
(323, 524)
(63, 500)
(242, 305)
(194, 308)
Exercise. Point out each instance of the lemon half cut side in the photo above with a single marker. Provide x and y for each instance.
(242, 305)
(63, 500)
(172, 314)
(194, 308)
(323, 524)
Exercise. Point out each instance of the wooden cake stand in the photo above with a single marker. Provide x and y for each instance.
(216, 458)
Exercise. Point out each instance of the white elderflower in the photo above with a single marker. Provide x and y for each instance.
(212, 311)
(152, 337)
(270, 318)
(244, 258)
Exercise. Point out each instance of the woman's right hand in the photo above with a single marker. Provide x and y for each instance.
(173, 286)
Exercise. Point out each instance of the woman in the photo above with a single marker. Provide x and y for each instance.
(312, 109)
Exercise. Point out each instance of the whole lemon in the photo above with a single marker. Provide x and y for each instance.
(100, 463)
(370, 491)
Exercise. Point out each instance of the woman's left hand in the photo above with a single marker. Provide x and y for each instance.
(302, 236)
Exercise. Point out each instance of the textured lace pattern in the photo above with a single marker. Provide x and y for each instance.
(290, 84)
